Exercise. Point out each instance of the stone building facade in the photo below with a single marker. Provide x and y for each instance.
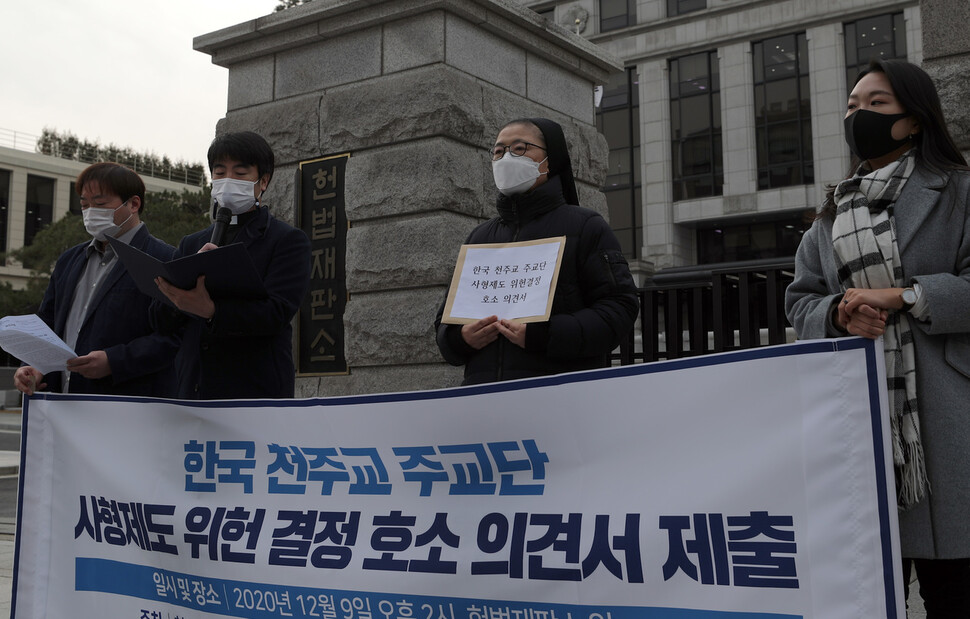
(946, 57)
(727, 126)
(414, 90)
(722, 122)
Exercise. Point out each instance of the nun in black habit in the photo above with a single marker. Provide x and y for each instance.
(595, 302)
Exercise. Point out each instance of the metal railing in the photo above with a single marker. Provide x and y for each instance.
(692, 311)
(175, 172)
(18, 140)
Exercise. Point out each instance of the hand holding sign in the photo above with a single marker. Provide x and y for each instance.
(513, 332)
(480, 333)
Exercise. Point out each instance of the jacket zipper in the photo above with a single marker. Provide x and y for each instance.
(609, 269)
(501, 340)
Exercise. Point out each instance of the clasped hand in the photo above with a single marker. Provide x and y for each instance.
(481, 333)
(864, 311)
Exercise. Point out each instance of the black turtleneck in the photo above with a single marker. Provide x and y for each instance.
(522, 208)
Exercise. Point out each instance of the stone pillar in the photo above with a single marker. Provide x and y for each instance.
(737, 120)
(666, 244)
(414, 90)
(826, 59)
(946, 57)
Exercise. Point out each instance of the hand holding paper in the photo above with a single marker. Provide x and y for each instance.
(29, 339)
(28, 380)
(93, 365)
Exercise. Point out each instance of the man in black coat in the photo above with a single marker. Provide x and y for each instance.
(93, 304)
(240, 347)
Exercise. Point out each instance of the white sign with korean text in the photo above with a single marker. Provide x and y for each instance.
(750, 484)
(515, 281)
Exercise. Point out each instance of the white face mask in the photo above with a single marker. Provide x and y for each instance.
(100, 222)
(234, 194)
(514, 175)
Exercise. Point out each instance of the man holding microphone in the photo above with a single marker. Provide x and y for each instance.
(239, 347)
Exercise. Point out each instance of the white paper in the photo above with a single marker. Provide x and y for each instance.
(509, 282)
(29, 339)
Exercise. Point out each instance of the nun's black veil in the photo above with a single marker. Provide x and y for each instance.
(559, 163)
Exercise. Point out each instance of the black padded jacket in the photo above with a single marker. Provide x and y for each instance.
(595, 303)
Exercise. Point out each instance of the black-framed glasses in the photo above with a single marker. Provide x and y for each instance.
(518, 149)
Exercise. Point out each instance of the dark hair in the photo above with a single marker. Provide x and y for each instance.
(113, 178)
(916, 93)
(559, 162)
(244, 146)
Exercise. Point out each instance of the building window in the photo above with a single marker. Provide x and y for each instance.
(618, 119)
(722, 242)
(40, 206)
(695, 126)
(679, 7)
(4, 208)
(783, 115)
(880, 37)
(74, 206)
(616, 14)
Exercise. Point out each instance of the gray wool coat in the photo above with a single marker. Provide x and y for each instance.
(933, 233)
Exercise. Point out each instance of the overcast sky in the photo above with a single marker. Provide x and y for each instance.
(117, 71)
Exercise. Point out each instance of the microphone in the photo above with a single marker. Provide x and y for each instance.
(223, 215)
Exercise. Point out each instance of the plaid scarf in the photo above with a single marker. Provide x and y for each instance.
(867, 256)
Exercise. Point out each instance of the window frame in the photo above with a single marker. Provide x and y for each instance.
(800, 169)
(691, 186)
(683, 7)
(854, 63)
(625, 193)
(38, 214)
(621, 19)
(6, 179)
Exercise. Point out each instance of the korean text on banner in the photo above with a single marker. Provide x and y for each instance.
(751, 484)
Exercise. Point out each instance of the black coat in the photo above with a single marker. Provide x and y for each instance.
(595, 303)
(246, 350)
(117, 323)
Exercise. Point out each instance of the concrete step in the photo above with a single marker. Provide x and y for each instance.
(9, 462)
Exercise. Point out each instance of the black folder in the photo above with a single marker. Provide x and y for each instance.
(229, 271)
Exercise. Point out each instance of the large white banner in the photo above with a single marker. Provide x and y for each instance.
(751, 484)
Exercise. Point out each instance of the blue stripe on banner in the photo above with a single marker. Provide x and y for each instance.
(885, 531)
(258, 601)
(24, 425)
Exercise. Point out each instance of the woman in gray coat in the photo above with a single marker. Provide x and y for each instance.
(889, 255)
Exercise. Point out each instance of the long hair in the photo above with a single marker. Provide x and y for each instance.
(915, 91)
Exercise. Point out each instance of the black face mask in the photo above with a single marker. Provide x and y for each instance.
(870, 134)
